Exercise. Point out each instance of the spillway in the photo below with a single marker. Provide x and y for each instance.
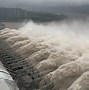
(36, 65)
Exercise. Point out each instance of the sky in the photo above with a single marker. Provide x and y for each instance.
(44, 2)
(47, 5)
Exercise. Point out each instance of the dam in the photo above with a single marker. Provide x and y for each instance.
(36, 65)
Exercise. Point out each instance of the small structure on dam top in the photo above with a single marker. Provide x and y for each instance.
(35, 65)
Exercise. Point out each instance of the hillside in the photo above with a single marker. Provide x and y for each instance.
(17, 14)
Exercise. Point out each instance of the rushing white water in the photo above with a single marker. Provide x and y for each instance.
(58, 51)
(65, 35)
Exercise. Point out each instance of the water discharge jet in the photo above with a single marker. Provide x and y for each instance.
(51, 53)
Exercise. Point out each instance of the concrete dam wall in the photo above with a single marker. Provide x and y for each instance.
(36, 65)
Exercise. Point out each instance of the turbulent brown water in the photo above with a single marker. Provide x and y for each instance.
(58, 53)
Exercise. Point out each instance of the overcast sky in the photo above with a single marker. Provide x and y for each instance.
(46, 5)
(43, 2)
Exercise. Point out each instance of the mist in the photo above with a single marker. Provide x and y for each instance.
(57, 50)
(46, 54)
(66, 34)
